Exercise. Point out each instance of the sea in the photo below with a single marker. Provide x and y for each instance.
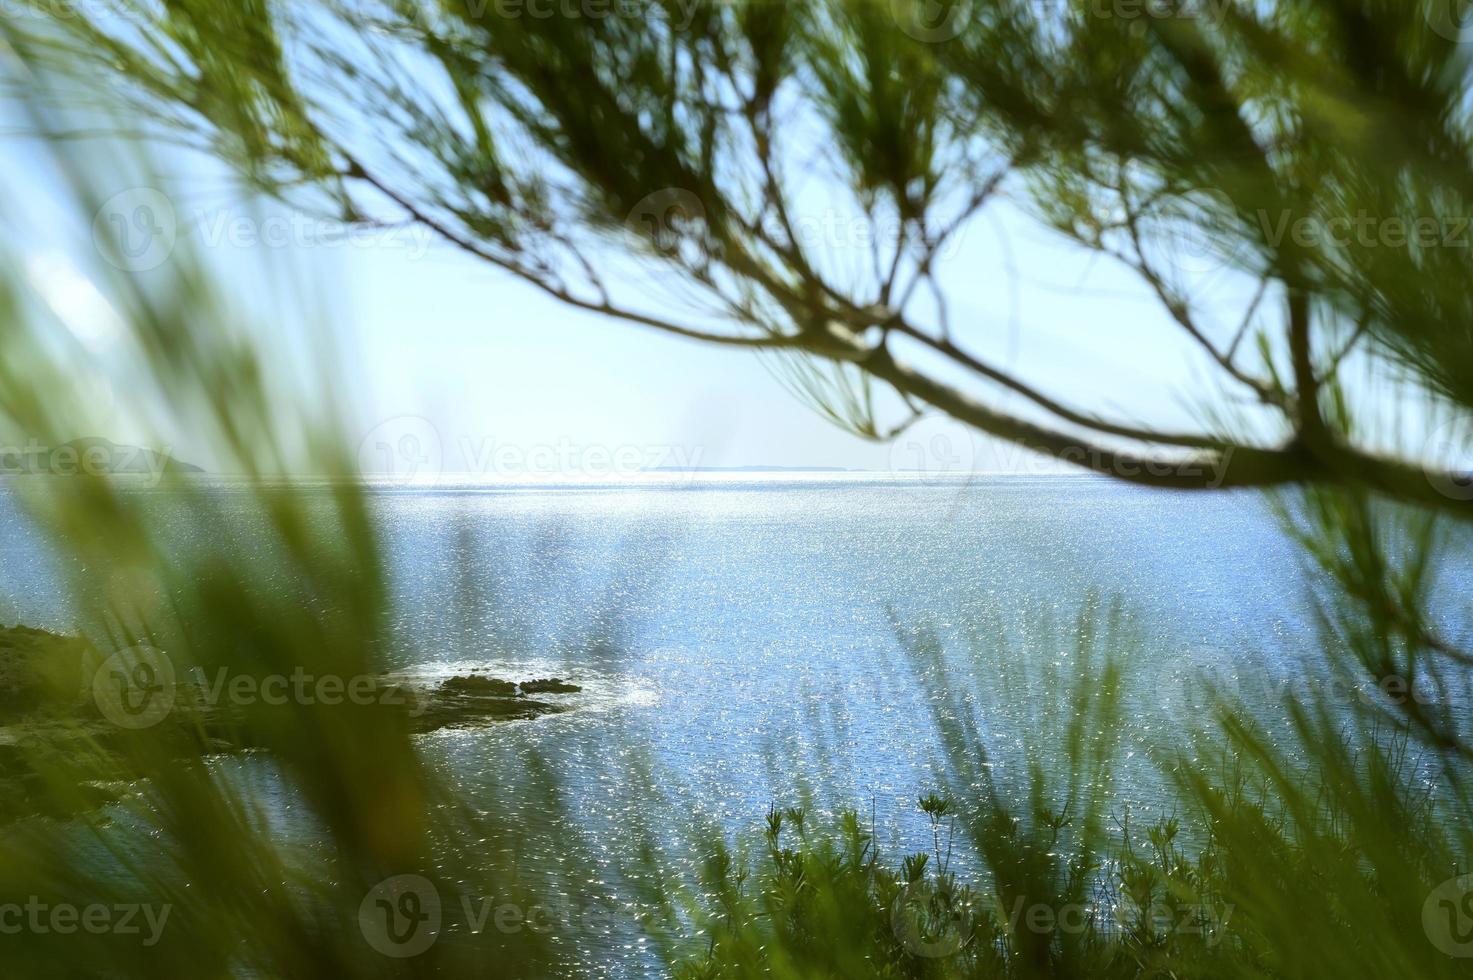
(746, 643)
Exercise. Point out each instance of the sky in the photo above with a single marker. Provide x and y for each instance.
(487, 377)
(491, 362)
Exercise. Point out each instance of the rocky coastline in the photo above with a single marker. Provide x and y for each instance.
(48, 713)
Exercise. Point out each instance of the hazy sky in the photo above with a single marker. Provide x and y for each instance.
(440, 346)
(487, 359)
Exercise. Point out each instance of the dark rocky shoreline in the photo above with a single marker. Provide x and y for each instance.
(48, 720)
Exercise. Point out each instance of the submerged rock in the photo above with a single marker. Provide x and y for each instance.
(549, 685)
(479, 684)
(470, 700)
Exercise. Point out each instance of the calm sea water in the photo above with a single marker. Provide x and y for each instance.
(744, 640)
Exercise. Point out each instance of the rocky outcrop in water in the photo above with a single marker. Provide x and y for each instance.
(549, 685)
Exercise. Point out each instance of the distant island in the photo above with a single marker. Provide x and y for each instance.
(750, 469)
(92, 456)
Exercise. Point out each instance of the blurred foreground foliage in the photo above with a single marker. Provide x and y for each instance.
(278, 580)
